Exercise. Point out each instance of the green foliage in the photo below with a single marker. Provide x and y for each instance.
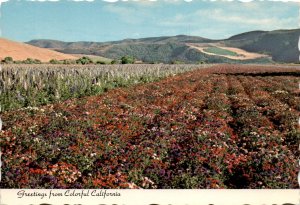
(177, 62)
(220, 51)
(31, 61)
(8, 60)
(35, 85)
(162, 53)
(127, 60)
(166, 53)
(272, 43)
(37, 61)
(18, 62)
(84, 60)
(54, 61)
(280, 44)
(69, 62)
(100, 62)
(114, 62)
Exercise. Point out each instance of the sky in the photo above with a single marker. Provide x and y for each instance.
(106, 21)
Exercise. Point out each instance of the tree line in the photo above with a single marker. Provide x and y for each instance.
(81, 61)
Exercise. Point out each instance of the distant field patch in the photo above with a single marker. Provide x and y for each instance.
(228, 52)
(220, 51)
(94, 58)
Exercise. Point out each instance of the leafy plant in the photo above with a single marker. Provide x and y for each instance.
(54, 61)
(8, 60)
(127, 60)
(84, 60)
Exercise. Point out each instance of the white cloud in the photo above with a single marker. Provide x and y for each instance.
(250, 14)
(2, 1)
(213, 20)
(266, 21)
(126, 14)
(225, 19)
(132, 12)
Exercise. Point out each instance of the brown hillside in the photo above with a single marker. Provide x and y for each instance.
(22, 51)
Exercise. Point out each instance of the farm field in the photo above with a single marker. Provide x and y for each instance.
(220, 51)
(226, 126)
(36, 85)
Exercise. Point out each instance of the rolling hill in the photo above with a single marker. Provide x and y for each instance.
(282, 45)
(250, 47)
(22, 51)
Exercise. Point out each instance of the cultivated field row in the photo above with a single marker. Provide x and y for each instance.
(35, 85)
(194, 130)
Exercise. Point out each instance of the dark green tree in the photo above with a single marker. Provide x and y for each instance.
(100, 62)
(114, 62)
(127, 60)
(68, 62)
(84, 60)
(31, 61)
(8, 60)
(54, 61)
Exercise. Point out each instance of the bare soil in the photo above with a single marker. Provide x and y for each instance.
(22, 51)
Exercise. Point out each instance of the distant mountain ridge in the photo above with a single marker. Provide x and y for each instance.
(280, 45)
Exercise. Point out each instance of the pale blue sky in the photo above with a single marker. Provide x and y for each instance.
(104, 21)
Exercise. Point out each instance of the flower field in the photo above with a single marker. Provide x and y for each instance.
(228, 126)
(38, 85)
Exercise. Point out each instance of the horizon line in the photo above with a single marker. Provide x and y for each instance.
(123, 39)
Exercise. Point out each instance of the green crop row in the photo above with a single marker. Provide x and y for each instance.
(35, 85)
(220, 51)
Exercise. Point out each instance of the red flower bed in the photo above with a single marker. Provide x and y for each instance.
(209, 128)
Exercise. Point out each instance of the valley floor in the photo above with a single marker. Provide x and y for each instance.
(229, 126)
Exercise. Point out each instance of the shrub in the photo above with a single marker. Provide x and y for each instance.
(177, 62)
(54, 61)
(114, 62)
(84, 60)
(201, 62)
(68, 62)
(100, 62)
(37, 61)
(8, 60)
(127, 60)
(31, 61)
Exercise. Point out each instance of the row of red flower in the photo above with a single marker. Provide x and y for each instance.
(194, 130)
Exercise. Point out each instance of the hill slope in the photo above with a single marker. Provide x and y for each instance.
(22, 51)
(281, 45)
